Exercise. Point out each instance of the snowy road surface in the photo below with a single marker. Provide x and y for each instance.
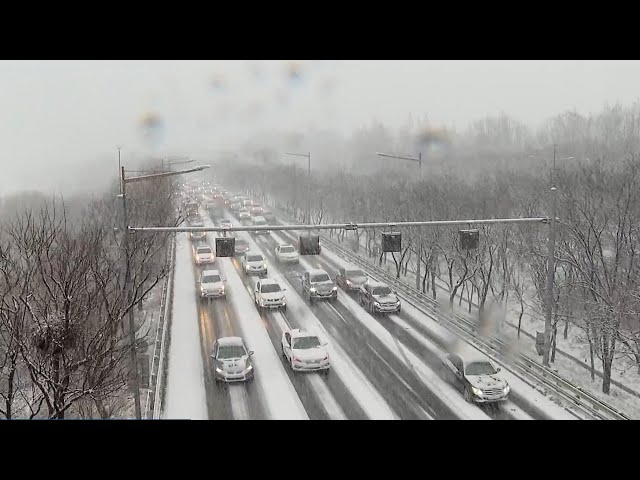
(381, 367)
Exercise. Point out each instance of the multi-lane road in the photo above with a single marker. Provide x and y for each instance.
(382, 367)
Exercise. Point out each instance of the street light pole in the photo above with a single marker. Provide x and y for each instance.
(550, 266)
(129, 289)
(128, 284)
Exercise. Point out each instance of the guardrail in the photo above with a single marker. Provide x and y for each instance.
(155, 396)
(524, 367)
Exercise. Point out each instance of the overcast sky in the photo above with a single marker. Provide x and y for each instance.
(60, 121)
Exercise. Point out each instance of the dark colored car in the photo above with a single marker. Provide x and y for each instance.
(351, 279)
(476, 377)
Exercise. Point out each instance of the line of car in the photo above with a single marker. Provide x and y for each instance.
(472, 373)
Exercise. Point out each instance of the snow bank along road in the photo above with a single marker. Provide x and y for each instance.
(379, 368)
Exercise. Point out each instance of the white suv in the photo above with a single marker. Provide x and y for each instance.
(268, 294)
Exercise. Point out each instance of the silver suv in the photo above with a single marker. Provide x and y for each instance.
(378, 297)
(316, 284)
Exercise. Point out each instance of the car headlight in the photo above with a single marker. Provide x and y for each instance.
(219, 370)
(397, 302)
(348, 283)
(249, 368)
(335, 289)
(506, 389)
(377, 304)
(284, 300)
(477, 391)
(312, 289)
(264, 264)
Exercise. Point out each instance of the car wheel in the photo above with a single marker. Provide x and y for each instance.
(467, 395)
(326, 372)
(284, 308)
(371, 309)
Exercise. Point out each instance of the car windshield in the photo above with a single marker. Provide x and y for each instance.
(270, 288)
(254, 258)
(305, 343)
(241, 243)
(211, 278)
(354, 273)
(259, 222)
(287, 249)
(480, 368)
(231, 351)
(382, 291)
(204, 250)
(320, 277)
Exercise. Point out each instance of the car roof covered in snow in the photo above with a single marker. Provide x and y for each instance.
(230, 341)
(210, 272)
(297, 333)
(269, 281)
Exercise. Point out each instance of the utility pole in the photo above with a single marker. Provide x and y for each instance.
(129, 292)
(128, 284)
(550, 266)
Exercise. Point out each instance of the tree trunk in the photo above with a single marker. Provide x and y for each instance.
(566, 328)
(418, 274)
(606, 374)
(104, 413)
(433, 283)
(470, 296)
(520, 317)
(464, 286)
(591, 353)
(554, 334)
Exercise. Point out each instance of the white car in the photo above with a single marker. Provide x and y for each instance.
(212, 285)
(231, 360)
(253, 262)
(305, 351)
(268, 294)
(244, 215)
(260, 222)
(225, 223)
(287, 254)
(204, 255)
